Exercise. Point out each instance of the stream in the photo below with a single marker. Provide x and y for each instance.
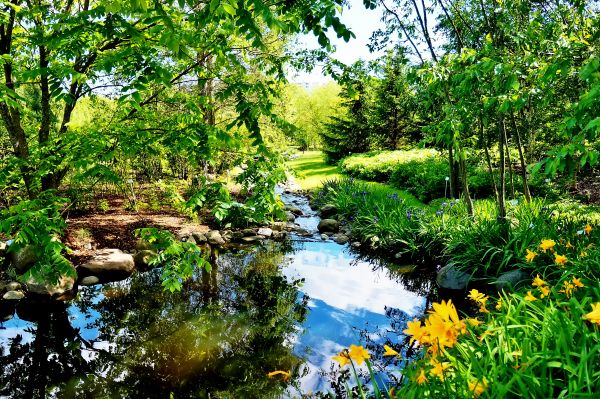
(277, 306)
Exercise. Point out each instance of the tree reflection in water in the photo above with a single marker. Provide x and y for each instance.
(217, 338)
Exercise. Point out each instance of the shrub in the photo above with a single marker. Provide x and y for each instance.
(379, 165)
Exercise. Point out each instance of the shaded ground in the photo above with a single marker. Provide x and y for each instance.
(115, 227)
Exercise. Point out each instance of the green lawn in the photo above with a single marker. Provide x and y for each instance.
(311, 171)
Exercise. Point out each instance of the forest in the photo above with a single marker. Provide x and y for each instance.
(181, 217)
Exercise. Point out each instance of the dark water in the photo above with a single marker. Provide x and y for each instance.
(280, 306)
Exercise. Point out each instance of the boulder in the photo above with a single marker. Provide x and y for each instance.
(290, 216)
(278, 226)
(142, 259)
(512, 280)
(13, 286)
(2, 248)
(13, 295)
(227, 235)
(252, 239)
(89, 280)
(324, 237)
(23, 259)
(328, 226)
(265, 231)
(327, 211)
(214, 237)
(199, 237)
(451, 277)
(294, 209)
(109, 265)
(248, 232)
(303, 233)
(63, 289)
(341, 238)
(237, 236)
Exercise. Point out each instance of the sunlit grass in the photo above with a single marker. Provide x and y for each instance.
(310, 170)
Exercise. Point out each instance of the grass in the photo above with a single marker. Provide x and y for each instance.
(311, 172)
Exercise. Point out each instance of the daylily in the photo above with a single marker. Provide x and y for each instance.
(538, 282)
(342, 358)
(587, 229)
(547, 245)
(530, 256)
(529, 297)
(560, 259)
(569, 245)
(421, 378)
(477, 387)
(577, 283)
(594, 315)
(358, 353)
(415, 330)
(389, 351)
(544, 290)
(477, 296)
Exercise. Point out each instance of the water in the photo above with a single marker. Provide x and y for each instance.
(281, 306)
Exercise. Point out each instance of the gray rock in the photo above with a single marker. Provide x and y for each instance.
(227, 235)
(291, 226)
(252, 239)
(451, 277)
(341, 238)
(13, 295)
(328, 226)
(327, 211)
(294, 209)
(356, 244)
(109, 265)
(142, 259)
(303, 233)
(214, 237)
(248, 232)
(199, 237)
(23, 259)
(63, 289)
(512, 280)
(13, 286)
(237, 236)
(265, 231)
(290, 216)
(324, 237)
(278, 226)
(89, 280)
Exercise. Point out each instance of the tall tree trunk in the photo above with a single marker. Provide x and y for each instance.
(484, 143)
(452, 178)
(462, 166)
(502, 188)
(521, 159)
(510, 167)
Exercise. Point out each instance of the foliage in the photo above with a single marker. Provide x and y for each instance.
(379, 165)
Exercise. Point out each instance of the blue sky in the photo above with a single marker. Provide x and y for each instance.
(362, 23)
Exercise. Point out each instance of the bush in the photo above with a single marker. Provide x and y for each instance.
(379, 165)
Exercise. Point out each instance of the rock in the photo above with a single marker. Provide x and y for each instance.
(290, 216)
(252, 239)
(303, 233)
(109, 265)
(324, 237)
(89, 280)
(214, 237)
(341, 238)
(328, 226)
(327, 211)
(248, 232)
(512, 280)
(356, 244)
(291, 226)
(199, 237)
(237, 236)
(279, 235)
(23, 259)
(451, 277)
(13, 295)
(294, 209)
(13, 286)
(2, 248)
(227, 235)
(265, 231)
(87, 246)
(278, 226)
(189, 239)
(142, 259)
(63, 289)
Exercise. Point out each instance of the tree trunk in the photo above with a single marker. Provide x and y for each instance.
(484, 144)
(462, 165)
(502, 188)
(521, 159)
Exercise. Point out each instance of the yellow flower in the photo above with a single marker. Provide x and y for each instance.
(560, 259)
(473, 322)
(415, 331)
(477, 296)
(529, 297)
(587, 229)
(530, 256)
(439, 368)
(583, 254)
(286, 374)
(389, 351)
(569, 245)
(422, 378)
(477, 387)
(568, 288)
(547, 245)
(538, 282)
(483, 309)
(358, 354)
(440, 331)
(499, 304)
(594, 315)
(342, 358)
(545, 291)
(577, 283)
(446, 310)
(485, 334)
